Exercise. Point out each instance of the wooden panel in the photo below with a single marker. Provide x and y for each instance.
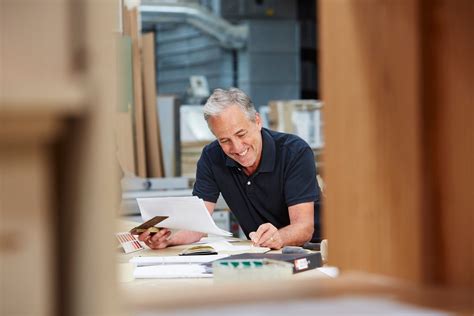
(373, 175)
(397, 81)
(124, 142)
(26, 44)
(124, 134)
(131, 26)
(153, 141)
(449, 107)
(57, 206)
(26, 231)
(88, 175)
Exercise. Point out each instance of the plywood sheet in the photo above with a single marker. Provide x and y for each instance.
(153, 142)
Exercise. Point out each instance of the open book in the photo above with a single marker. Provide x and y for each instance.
(185, 213)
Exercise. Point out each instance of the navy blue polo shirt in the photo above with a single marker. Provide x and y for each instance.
(286, 176)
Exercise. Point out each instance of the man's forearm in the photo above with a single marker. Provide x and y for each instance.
(296, 234)
(184, 237)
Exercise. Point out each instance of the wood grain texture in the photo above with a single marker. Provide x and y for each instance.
(131, 26)
(154, 158)
(26, 226)
(373, 157)
(449, 107)
(397, 86)
(58, 177)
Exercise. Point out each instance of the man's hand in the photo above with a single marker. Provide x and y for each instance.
(183, 237)
(297, 233)
(267, 235)
(159, 240)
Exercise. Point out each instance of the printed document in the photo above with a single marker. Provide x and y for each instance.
(172, 271)
(155, 260)
(186, 213)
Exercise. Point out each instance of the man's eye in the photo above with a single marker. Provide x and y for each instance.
(241, 135)
(224, 141)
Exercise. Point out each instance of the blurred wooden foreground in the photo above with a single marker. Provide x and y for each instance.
(397, 80)
(58, 177)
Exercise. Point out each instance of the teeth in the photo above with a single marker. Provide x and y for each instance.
(243, 153)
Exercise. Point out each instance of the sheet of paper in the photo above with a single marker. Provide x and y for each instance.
(172, 271)
(154, 260)
(333, 272)
(224, 247)
(210, 239)
(187, 213)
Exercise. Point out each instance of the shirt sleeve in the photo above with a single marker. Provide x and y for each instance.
(300, 178)
(205, 186)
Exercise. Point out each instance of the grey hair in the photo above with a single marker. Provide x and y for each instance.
(222, 99)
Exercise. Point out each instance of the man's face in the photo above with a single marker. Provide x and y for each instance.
(239, 137)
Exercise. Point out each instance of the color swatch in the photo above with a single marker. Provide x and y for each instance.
(128, 242)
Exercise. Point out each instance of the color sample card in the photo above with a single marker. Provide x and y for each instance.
(128, 242)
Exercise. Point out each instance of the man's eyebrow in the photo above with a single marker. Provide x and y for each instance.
(243, 130)
(240, 131)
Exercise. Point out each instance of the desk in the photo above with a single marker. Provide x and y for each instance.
(176, 283)
(139, 285)
(175, 295)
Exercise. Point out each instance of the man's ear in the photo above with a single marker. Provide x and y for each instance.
(258, 121)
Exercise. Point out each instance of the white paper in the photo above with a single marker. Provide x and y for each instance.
(154, 260)
(333, 272)
(172, 271)
(228, 248)
(186, 213)
(211, 239)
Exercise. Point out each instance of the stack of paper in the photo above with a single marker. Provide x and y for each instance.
(186, 213)
(172, 271)
(172, 267)
(155, 260)
(224, 247)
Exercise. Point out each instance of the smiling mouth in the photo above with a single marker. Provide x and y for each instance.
(243, 153)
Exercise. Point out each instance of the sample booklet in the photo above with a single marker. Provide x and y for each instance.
(186, 213)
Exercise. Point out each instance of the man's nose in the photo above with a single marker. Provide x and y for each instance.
(237, 145)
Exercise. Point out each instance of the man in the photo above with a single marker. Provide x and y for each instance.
(267, 179)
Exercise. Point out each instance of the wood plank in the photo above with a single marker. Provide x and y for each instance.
(27, 263)
(449, 111)
(373, 155)
(124, 133)
(131, 15)
(124, 142)
(154, 158)
(57, 173)
(397, 81)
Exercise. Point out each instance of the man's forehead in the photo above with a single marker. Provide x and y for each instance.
(221, 130)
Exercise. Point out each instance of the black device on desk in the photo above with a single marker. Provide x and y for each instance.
(304, 249)
(199, 251)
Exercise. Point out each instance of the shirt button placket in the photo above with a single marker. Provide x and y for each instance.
(250, 189)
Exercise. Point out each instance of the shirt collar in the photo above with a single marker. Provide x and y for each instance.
(268, 154)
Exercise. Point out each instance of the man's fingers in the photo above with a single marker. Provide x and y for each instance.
(160, 236)
(261, 231)
(267, 238)
(143, 236)
(253, 238)
(159, 241)
(162, 232)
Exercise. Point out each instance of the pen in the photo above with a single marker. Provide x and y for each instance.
(199, 253)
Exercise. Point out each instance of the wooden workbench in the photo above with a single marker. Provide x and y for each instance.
(309, 287)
